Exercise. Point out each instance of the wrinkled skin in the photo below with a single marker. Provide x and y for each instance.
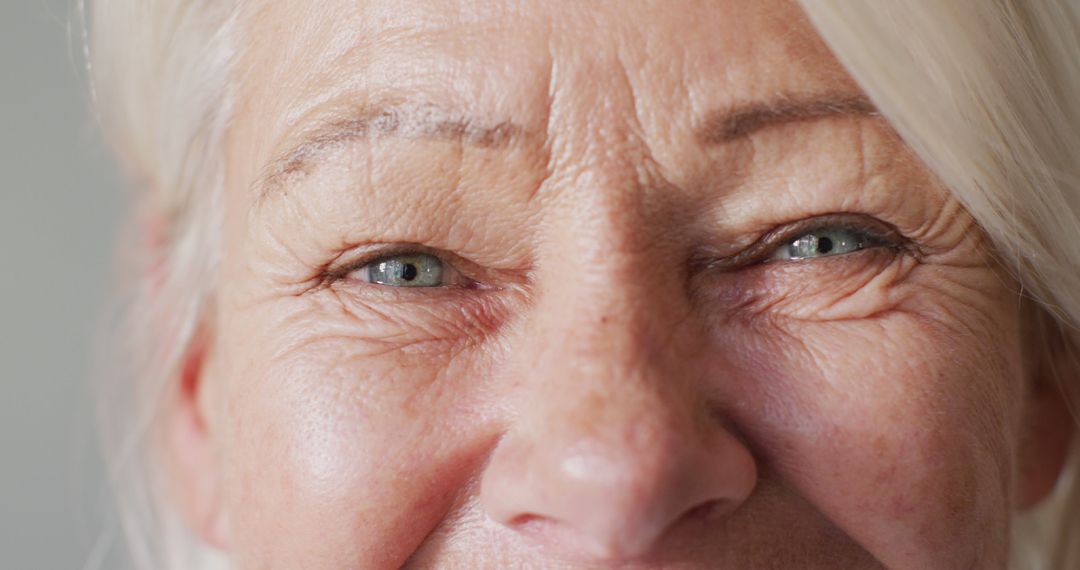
(603, 381)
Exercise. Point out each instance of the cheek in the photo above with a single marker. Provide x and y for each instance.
(346, 449)
(895, 427)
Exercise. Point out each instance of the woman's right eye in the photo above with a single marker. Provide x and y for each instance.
(407, 270)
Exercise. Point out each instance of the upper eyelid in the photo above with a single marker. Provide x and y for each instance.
(760, 250)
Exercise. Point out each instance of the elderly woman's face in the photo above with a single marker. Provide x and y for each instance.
(574, 284)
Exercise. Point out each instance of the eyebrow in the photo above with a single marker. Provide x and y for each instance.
(423, 122)
(428, 122)
(741, 121)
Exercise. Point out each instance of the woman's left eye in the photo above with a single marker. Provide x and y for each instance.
(822, 243)
(408, 270)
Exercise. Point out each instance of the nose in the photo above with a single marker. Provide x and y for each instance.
(613, 446)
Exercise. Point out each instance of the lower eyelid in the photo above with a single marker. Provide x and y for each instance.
(393, 294)
(805, 273)
(443, 309)
(778, 288)
(867, 278)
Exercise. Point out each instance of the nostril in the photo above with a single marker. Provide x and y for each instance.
(708, 510)
(569, 542)
(613, 490)
(551, 533)
(539, 528)
(525, 521)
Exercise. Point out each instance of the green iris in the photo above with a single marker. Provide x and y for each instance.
(822, 243)
(410, 270)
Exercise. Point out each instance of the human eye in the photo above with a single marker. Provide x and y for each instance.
(826, 241)
(814, 268)
(392, 269)
(406, 270)
(824, 236)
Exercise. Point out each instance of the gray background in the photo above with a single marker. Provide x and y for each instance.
(60, 203)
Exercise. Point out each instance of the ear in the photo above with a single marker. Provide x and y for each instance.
(193, 468)
(1048, 424)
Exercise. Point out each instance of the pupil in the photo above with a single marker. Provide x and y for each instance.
(824, 245)
(409, 272)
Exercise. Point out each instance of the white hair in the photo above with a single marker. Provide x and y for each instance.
(986, 92)
(159, 77)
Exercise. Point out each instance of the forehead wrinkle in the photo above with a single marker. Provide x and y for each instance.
(430, 122)
(418, 122)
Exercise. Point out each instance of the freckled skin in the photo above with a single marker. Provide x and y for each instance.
(601, 401)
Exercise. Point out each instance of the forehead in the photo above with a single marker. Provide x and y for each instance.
(516, 60)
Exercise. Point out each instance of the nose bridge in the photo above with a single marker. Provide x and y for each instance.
(611, 443)
(611, 321)
(619, 319)
(610, 353)
(601, 371)
(600, 322)
(611, 446)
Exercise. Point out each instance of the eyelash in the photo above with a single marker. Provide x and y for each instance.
(878, 235)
